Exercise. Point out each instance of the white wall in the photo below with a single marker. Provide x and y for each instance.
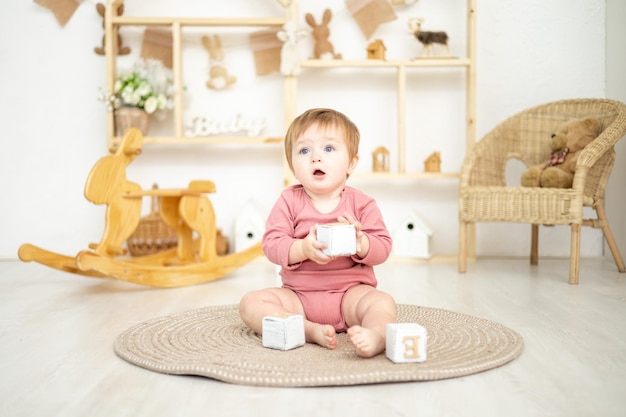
(528, 53)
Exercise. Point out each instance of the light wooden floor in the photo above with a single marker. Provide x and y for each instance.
(57, 332)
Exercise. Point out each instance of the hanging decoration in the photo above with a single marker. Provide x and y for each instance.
(219, 77)
(157, 44)
(265, 47)
(63, 10)
(369, 14)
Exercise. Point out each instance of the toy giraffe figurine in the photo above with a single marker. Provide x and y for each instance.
(106, 184)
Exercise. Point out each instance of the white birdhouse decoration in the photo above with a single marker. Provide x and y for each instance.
(249, 227)
(412, 238)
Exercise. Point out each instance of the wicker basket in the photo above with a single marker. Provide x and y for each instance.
(127, 117)
(152, 234)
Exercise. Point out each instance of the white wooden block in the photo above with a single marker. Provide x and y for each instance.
(340, 238)
(406, 342)
(283, 331)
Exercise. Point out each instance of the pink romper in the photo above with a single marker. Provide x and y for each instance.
(321, 287)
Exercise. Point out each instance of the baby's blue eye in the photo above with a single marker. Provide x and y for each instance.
(329, 149)
(303, 151)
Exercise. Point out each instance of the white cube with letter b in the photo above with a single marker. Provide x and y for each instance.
(406, 342)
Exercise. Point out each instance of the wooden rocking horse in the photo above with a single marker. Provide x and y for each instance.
(188, 210)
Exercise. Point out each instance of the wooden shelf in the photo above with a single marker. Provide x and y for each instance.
(176, 24)
(387, 176)
(400, 67)
(418, 62)
(229, 140)
(198, 21)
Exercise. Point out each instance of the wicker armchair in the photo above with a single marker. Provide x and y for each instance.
(484, 196)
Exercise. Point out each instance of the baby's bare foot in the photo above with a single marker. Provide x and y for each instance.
(368, 343)
(322, 334)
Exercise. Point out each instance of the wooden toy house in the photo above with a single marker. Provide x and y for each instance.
(412, 238)
(376, 50)
(249, 226)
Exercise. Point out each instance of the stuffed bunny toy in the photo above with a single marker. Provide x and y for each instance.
(323, 49)
(121, 49)
(218, 74)
(290, 35)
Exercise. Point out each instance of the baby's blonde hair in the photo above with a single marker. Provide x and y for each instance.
(323, 118)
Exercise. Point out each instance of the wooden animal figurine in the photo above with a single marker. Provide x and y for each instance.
(121, 50)
(322, 49)
(427, 39)
(218, 74)
(106, 184)
(189, 211)
(289, 59)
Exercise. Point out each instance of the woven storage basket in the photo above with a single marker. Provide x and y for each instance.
(152, 234)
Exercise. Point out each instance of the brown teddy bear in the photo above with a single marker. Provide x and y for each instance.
(566, 144)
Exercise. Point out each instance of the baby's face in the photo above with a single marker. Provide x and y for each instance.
(321, 161)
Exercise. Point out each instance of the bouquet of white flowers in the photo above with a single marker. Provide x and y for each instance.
(148, 86)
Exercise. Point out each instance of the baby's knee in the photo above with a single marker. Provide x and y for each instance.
(247, 302)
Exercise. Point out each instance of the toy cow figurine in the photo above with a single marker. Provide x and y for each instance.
(428, 38)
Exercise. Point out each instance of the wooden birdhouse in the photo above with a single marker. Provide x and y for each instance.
(433, 163)
(412, 238)
(380, 159)
(376, 50)
(249, 227)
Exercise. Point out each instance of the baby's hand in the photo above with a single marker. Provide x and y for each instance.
(312, 248)
(362, 242)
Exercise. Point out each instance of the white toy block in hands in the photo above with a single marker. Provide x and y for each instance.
(340, 239)
(406, 342)
(283, 331)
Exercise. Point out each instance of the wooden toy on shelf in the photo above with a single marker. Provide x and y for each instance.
(187, 210)
(427, 39)
(121, 50)
(290, 35)
(322, 49)
(433, 163)
(380, 159)
(376, 50)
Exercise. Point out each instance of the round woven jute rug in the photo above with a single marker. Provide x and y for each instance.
(213, 342)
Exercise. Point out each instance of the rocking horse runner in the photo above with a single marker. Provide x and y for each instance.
(188, 210)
